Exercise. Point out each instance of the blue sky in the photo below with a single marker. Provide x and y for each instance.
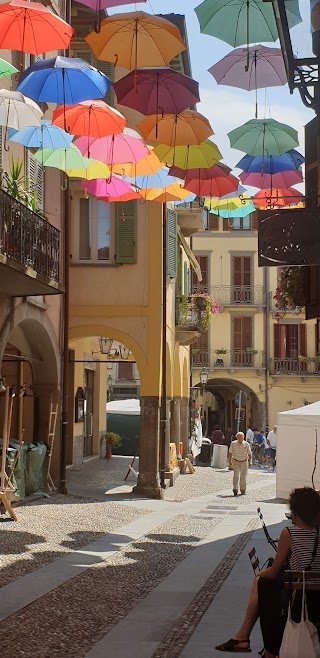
(228, 107)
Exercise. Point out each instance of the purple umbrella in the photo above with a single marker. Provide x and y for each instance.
(157, 91)
(97, 5)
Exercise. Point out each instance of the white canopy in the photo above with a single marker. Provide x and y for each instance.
(125, 407)
(298, 434)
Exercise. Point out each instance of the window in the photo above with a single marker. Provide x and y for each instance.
(204, 266)
(200, 350)
(125, 371)
(242, 341)
(241, 223)
(241, 279)
(94, 230)
(289, 344)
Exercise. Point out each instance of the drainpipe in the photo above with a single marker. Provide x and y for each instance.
(163, 408)
(266, 344)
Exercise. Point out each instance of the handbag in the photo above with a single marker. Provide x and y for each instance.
(300, 639)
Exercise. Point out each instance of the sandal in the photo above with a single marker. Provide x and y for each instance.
(232, 646)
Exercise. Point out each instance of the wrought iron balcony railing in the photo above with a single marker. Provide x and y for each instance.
(28, 239)
(234, 295)
(294, 366)
(188, 316)
(230, 359)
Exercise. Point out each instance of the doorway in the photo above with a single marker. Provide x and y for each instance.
(88, 424)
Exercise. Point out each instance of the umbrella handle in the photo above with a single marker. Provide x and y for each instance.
(64, 186)
(97, 24)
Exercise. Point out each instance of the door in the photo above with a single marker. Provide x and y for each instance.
(241, 280)
(289, 343)
(204, 267)
(88, 419)
(200, 351)
(242, 341)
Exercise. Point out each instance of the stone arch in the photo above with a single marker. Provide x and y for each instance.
(225, 390)
(177, 375)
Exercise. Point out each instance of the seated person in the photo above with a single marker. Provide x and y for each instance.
(299, 545)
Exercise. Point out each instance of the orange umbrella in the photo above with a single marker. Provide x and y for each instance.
(276, 198)
(189, 127)
(135, 40)
(30, 27)
(148, 166)
(173, 192)
(89, 119)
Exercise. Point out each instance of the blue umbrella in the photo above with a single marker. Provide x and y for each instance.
(272, 164)
(188, 199)
(39, 137)
(159, 180)
(63, 80)
(243, 211)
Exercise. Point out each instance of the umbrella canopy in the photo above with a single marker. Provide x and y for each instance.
(31, 28)
(89, 118)
(266, 68)
(102, 188)
(216, 187)
(263, 136)
(272, 164)
(215, 171)
(17, 111)
(189, 157)
(113, 150)
(173, 192)
(276, 198)
(232, 203)
(136, 39)
(98, 5)
(6, 69)
(157, 91)
(64, 159)
(63, 80)
(188, 199)
(239, 22)
(189, 127)
(93, 170)
(243, 211)
(148, 166)
(265, 181)
(44, 136)
(160, 180)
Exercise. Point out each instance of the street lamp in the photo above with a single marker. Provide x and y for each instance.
(110, 384)
(124, 352)
(204, 377)
(105, 345)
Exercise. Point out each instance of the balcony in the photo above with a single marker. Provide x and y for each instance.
(191, 218)
(297, 310)
(29, 251)
(236, 359)
(304, 367)
(188, 322)
(235, 295)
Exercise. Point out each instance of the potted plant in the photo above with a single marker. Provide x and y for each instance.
(112, 439)
(221, 351)
(290, 292)
(206, 307)
(251, 350)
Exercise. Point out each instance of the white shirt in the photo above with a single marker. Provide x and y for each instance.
(249, 435)
(240, 451)
(272, 437)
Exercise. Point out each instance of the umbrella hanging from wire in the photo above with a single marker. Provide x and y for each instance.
(44, 136)
(271, 164)
(214, 187)
(104, 188)
(263, 137)
(173, 192)
(145, 167)
(243, 211)
(283, 179)
(89, 118)
(189, 157)
(276, 198)
(216, 170)
(230, 203)
(160, 180)
(18, 111)
(187, 128)
(67, 158)
(99, 5)
(92, 170)
(113, 150)
(6, 69)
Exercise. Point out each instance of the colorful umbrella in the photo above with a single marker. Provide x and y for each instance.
(145, 167)
(113, 150)
(32, 28)
(99, 5)
(89, 118)
(265, 181)
(160, 180)
(216, 170)
(216, 187)
(157, 91)
(276, 198)
(135, 40)
(63, 80)
(243, 211)
(6, 69)
(64, 159)
(173, 192)
(228, 204)
(44, 136)
(102, 188)
(123, 198)
(272, 164)
(266, 68)
(188, 199)
(189, 157)
(263, 136)
(17, 111)
(239, 22)
(189, 127)
(93, 170)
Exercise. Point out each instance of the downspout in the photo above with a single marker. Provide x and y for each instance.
(163, 408)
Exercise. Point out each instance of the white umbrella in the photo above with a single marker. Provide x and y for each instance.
(18, 111)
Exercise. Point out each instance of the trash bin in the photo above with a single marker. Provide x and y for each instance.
(219, 456)
(205, 456)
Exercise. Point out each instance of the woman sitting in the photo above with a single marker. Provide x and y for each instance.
(299, 546)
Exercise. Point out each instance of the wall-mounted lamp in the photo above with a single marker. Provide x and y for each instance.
(105, 345)
(124, 352)
(204, 376)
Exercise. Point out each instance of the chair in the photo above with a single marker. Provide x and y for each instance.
(293, 580)
(255, 562)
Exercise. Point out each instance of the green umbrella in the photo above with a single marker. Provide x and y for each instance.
(68, 158)
(6, 69)
(263, 137)
(240, 22)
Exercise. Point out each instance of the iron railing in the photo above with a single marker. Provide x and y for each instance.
(234, 295)
(294, 366)
(188, 316)
(28, 239)
(230, 359)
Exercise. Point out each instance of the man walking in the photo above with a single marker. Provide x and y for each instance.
(241, 455)
(272, 443)
(250, 435)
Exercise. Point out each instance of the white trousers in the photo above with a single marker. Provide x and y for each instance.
(240, 470)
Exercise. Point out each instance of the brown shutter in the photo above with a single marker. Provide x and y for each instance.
(213, 222)
(236, 270)
(227, 224)
(246, 333)
(276, 329)
(246, 271)
(236, 333)
(302, 340)
(125, 371)
(254, 221)
(203, 262)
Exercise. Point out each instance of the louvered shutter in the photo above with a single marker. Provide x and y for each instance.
(227, 224)
(254, 221)
(40, 186)
(277, 338)
(177, 64)
(1, 146)
(31, 172)
(171, 243)
(302, 340)
(185, 279)
(126, 229)
(35, 179)
(213, 222)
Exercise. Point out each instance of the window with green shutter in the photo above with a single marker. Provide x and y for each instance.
(126, 229)
(171, 243)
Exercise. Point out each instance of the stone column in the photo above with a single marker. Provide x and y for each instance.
(184, 424)
(168, 435)
(175, 422)
(148, 480)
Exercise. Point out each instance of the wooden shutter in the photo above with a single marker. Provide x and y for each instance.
(40, 186)
(125, 371)
(227, 224)
(242, 333)
(246, 332)
(185, 279)
(213, 221)
(254, 221)
(241, 270)
(35, 179)
(277, 341)
(177, 64)
(126, 229)
(204, 265)
(202, 342)
(236, 333)
(171, 243)
(302, 340)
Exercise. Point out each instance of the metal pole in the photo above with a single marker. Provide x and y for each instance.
(163, 409)
(239, 411)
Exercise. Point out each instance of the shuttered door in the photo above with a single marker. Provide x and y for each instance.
(213, 221)
(276, 338)
(241, 277)
(126, 229)
(242, 340)
(200, 350)
(204, 267)
(302, 340)
(171, 243)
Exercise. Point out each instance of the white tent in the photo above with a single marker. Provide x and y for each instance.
(125, 407)
(298, 435)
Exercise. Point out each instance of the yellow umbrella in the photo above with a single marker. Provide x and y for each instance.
(231, 203)
(173, 192)
(199, 156)
(148, 166)
(93, 170)
(135, 40)
(189, 127)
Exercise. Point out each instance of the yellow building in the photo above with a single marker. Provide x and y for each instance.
(248, 346)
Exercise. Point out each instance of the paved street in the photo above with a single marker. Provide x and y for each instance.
(102, 573)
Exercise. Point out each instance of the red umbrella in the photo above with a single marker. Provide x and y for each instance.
(30, 27)
(215, 171)
(216, 187)
(89, 119)
(283, 179)
(276, 198)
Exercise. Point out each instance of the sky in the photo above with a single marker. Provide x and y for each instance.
(228, 107)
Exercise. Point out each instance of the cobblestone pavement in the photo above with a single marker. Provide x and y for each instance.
(205, 481)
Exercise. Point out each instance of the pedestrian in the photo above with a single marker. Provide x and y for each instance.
(259, 439)
(250, 435)
(241, 456)
(217, 435)
(272, 439)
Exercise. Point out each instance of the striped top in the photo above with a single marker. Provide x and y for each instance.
(302, 545)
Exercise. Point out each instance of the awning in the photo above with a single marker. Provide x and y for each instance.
(188, 251)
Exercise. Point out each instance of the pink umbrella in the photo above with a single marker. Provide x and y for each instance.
(216, 187)
(115, 149)
(97, 5)
(105, 188)
(264, 181)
